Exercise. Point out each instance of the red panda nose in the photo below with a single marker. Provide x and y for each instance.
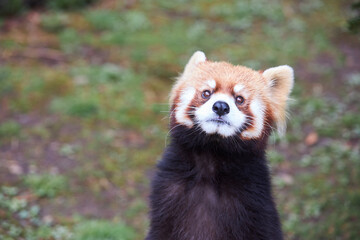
(221, 108)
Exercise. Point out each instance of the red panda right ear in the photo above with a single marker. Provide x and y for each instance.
(195, 59)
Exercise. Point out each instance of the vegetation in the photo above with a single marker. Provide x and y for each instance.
(94, 230)
(84, 110)
(354, 21)
(45, 185)
(14, 7)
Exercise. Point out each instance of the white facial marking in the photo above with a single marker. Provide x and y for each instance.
(258, 109)
(185, 98)
(211, 83)
(238, 88)
(206, 117)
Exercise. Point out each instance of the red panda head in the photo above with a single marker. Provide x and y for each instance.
(223, 99)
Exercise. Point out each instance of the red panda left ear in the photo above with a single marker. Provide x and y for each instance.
(280, 82)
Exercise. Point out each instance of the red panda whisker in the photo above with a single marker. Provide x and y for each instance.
(198, 128)
(250, 117)
(250, 124)
(168, 116)
(268, 124)
(172, 112)
(177, 125)
(165, 118)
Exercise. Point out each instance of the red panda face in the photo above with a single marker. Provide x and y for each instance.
(227, 100)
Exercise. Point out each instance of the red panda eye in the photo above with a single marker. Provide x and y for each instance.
(206, 94)
(240, 100)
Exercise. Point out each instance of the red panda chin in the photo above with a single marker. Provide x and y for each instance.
(194, 140)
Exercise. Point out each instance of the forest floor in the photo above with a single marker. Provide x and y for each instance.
(83, 116)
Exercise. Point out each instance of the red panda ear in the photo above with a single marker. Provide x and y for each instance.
(195, 59)
(280, 81)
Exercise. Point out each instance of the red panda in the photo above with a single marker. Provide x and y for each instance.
(213, 182)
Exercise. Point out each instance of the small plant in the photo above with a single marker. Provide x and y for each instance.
(11, 7)
(83, 109)
(101, 229)
(354, 22)
(70, 40)
(54, 22)
(77, 107)
(105, 20)
(275, 157)
(6, 85)
(46, 185)
(22, 220)
(9, 129)
(14, 7)
(68, 4)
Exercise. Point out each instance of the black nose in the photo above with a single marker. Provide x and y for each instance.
(221, 108)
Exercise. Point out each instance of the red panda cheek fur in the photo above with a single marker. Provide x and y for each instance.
(272, 86)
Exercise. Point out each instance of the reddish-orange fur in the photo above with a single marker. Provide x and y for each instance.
(226, 77)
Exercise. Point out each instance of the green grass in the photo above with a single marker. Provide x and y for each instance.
(68, 4)
(22, 220)
(46, 185)
(328, 199)
(85, 96)
(102, 230)
(54, 22)
(9, 129)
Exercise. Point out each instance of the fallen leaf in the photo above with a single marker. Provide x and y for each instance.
(287, 178)
(15, 168)
(311, 139)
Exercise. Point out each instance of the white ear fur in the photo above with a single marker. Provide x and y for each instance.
(283, 73)
(195, 59)
(280, 81)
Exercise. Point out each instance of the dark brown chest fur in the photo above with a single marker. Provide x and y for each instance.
(210, 194)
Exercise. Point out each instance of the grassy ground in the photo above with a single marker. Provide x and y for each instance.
(83, 115)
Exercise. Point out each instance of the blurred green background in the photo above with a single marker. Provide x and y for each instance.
(83, 108)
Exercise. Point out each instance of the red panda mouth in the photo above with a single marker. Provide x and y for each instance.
(219, 121)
